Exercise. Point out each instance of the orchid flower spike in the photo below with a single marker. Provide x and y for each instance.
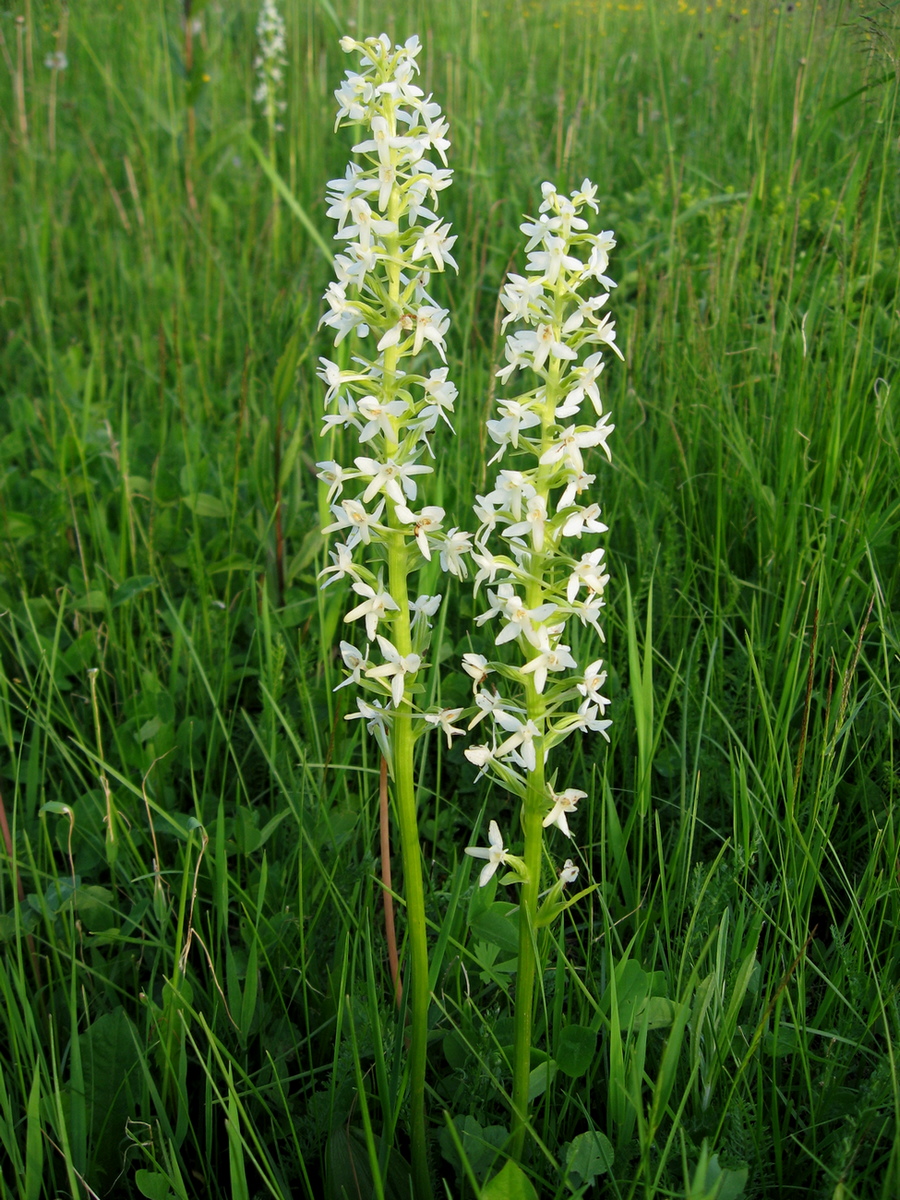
(389, 397)
(546, 437)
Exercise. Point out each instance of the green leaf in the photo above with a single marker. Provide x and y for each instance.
(480, 1145)
(19, 526)
(540, 1079)
(270, 826)
(94, 908)
(482, 898)
(510, 1184)
(34, 1142)
(659, 1012)
(632, 988)
(498, 927)
(93, 601)
(109, 1056)
(149, 729)
(205, 505)
(587, 1156)
(348, 1172)
(712, 1182)
(575, 1050)
(232, 562)
(782, 1041)
(132, 587)
(152, 1185)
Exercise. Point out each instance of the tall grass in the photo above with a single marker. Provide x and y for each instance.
(201, 1005)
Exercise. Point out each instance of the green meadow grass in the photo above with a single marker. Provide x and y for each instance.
(194, 992)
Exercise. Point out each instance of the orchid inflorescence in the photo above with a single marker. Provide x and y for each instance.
(270, 63)
(539, 501)
(392, 239)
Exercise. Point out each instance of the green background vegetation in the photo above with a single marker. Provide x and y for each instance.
(194, 997)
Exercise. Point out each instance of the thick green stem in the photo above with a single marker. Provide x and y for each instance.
(404, 779)
(532, 826)
(413, 887)
(276, 199)
(532, 815)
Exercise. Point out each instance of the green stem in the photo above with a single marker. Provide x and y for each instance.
(404, 778)
(532, 821)
(532, 816)
(534, 804)
(276, 199)
(413, 887)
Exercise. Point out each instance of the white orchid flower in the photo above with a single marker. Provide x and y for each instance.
(495, 854)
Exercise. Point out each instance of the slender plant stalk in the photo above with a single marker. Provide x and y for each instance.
(533, 811)
(404, 742)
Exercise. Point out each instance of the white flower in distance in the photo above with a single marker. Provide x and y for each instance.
(549, 658)
(569, 444)
(593, 681)
(374, 607)
(588, 573)
(335, 476)
(533, 524)
(476, 665)
(543, 343)
(521, 738)
(427, 521)
(352, 515)
(393, 478)
(495, 854)
(456, 545)
(569, 872)
(445, 719)
(481, 757)
(271, 61)
(563, 803)
(342, 564)
(422, 609)
(395, 668)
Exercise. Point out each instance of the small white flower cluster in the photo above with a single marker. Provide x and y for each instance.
(271, 61)
(391, 241)
(535, 585)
